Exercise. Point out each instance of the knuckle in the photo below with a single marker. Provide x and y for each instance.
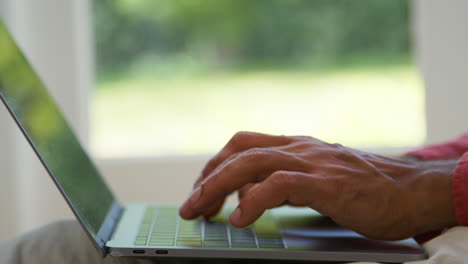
(283, 179)
(341, 153)
(301, 146)
(330, 152)
(202, 186)
(243, 191)
(253, 154)
(239, 138)
(304, 138)
(216, 183)
(210, 188)
(336, 145)
(254, 197)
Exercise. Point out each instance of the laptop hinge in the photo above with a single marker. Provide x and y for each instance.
(109, 225)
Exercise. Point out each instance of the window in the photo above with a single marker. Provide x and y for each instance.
(181, 77)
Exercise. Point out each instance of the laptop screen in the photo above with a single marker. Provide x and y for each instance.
(51, 137)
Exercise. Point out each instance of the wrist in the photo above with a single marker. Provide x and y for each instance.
(433, 205)
(460, 190)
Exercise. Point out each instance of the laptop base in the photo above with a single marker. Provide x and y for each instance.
(307, 236)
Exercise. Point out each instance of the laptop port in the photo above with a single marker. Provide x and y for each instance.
(139, 251)
(161, 251)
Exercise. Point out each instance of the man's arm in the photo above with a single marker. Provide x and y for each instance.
(460, 190)
(453, 149)
(376, 196)
(458, 149)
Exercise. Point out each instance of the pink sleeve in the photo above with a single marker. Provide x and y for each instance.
(447, 150)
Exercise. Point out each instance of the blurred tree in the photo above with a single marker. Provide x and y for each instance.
(249, 32)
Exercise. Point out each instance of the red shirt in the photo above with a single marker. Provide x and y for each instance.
(453, 149)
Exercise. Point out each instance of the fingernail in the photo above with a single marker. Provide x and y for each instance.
(195, 196)
(236, 215)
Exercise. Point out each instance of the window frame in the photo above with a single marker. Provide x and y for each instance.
(56, 37)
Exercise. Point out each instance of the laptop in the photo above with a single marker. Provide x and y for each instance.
(156, 230)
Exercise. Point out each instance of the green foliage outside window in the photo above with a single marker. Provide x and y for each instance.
(194, 72)
(237, 34)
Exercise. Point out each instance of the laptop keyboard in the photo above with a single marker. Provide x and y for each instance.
(161, 226)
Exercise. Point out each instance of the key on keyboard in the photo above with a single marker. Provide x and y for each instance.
(161, 226)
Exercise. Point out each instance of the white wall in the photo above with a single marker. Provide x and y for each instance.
(441, 35)
(8, 184)
(163, 180)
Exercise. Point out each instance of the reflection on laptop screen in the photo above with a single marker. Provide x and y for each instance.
(53, 140)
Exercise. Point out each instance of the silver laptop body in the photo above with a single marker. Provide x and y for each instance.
(156, 230)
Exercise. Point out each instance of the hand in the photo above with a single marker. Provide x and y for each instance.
(378, 197)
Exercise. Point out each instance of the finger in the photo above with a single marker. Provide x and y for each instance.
(214, 209)
(246, 168)
(240, 142)
(220, 166)
(245, 189)
(283, 187)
